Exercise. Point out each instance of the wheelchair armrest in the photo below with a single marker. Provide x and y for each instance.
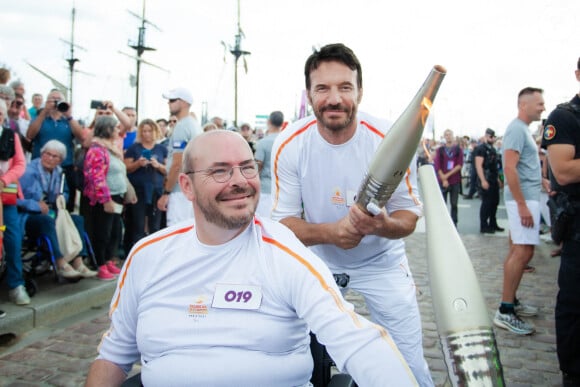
(133, 381)
(341, 380)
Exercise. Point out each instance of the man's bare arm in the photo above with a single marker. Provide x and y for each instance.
(105, 373)
(565, 168)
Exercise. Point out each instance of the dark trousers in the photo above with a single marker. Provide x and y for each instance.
(453, 192)
(568, 308)
(135, 215)
(489, 203)
(472, 180)
(70, 177)
(105, 233)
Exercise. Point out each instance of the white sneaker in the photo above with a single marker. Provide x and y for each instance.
(19, 296)
(85, 272)
(525, 310)
(513, 323)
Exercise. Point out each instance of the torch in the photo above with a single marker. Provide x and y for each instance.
(461, 316)
(396, 150)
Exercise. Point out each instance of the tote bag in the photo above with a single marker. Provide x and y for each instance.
(67, 234)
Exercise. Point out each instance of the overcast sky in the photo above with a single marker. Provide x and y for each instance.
(491, 50)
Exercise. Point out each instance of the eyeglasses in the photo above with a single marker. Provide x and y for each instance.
(51, 155)
(224, 174)
(18, 103)
(172, 121)
(173, 100)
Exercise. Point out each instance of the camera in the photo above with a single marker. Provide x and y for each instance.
(98, 105)
(61, 106)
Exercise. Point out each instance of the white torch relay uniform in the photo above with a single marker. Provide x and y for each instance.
(238, 314)
(319, 181)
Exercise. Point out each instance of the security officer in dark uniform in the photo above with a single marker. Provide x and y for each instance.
(562, 139)
(487, 167)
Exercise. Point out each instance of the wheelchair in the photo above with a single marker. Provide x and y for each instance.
(38, 259)
(323, 374)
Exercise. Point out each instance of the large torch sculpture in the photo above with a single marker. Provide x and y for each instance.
(463, 324)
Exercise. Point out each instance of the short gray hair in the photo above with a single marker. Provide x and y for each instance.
(7, 90)
(55, 146)
(104, 127)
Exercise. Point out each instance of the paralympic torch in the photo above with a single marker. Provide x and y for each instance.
(464, 327)
(396, 150)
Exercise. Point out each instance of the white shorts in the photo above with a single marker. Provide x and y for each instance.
(519, 234)
(178, 208)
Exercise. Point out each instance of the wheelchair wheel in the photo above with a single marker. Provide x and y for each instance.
(31, 286)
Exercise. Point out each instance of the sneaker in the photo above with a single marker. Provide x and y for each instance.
(525, 310)
(104, 274)
(513, 323)
(2, 314)
(113, 269)
(19, 296)
(85, 272)
(67, 272)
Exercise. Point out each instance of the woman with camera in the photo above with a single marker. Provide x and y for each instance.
(145, 162)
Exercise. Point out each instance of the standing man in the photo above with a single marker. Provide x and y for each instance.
(263, 155)
(318, 166)
(562, 138)
(523, 177)
(173, 201)
(56, 122)
(448, 164)
(487, 167)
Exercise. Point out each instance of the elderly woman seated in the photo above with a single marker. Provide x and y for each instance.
(41, 185)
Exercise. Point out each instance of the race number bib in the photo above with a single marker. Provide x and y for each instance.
(234, 296)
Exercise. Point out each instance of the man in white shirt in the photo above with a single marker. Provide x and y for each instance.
(229, 300)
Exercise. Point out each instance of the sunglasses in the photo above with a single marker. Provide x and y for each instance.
(18, 103)
(173, 100)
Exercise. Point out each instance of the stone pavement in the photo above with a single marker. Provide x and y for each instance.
(61, 356)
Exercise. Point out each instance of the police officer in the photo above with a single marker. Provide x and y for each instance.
(487, 167)
(562, 139)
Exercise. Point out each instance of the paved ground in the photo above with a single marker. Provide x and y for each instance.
(59, 354)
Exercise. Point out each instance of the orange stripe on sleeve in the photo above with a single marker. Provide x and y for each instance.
(318, 276)
(277, 156)
(130, 260)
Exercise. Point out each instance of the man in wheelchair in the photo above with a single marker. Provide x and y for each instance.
(228, 298)
(41, 184)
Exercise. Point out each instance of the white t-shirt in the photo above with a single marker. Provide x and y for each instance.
(321, 179)
(238, 313)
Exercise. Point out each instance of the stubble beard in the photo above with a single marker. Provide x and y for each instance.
(213, 214)
(336, 126)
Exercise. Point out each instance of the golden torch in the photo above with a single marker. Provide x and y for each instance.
(462, 319)
(396, 150)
